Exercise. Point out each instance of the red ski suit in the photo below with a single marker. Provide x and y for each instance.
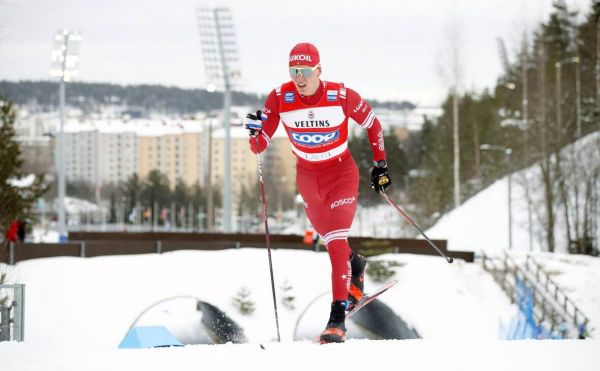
(326, 174)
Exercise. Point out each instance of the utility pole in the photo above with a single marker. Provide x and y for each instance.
(578, 93)
(456, 145)
(597, 11)
(507, 153)
(525, 109)
(558, 98)
(525, 100)
(542, 98)
(210, 218)
(559, 65)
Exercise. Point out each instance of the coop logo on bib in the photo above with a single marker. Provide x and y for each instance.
(314, 139)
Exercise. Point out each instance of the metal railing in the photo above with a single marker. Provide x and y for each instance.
(559, 297)
(12, 312)
(551, 305)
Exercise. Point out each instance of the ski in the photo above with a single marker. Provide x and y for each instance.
(367, 298)
(370, 297)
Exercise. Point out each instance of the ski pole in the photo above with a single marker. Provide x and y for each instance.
(409, 220)
(265, 216)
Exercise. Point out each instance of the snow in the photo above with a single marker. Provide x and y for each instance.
(481, 228)
(79, 309)
(381, 355)
(579, 277)
(78, 206)
(141, 127)
(23, 182)
(456, 287)
(481, 223)
(39, 235)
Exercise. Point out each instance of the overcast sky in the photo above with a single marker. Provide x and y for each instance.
(387, 50)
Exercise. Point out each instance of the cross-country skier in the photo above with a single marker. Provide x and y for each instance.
(315, 115)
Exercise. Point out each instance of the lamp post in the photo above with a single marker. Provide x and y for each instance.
(510, 86)
(507, 153)
(65, 59)
(220, 62)
(558, 66)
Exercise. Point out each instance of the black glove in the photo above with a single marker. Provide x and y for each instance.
(253, 122)
(380, 177)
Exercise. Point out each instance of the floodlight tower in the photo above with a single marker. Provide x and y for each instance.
(65, 59)
(221, 63)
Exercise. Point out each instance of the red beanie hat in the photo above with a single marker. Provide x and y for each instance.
(304, 54)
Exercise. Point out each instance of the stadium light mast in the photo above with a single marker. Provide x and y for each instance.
(221, 64)
(65, 60)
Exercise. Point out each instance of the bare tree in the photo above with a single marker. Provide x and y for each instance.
(451, 72)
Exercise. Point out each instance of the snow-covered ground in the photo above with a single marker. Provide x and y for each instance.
(481, 223)
(579, 277)
(461, 355)
(78, 310)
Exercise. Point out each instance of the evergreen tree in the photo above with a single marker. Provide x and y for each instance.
(16, 202)
(396, 159)
(156, 191)
(181, 198)
(288, 298)
(243, 303)
(197, 198)
(113, 209)
(363, 156)
(131, 189)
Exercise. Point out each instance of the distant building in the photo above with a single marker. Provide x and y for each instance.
(402, 121)
(172, 148)
(34, 134)
(110, 151)
(100, 150)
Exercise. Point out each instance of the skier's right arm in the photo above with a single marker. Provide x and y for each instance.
(263, 127)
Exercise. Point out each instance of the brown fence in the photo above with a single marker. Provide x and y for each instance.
(90, 244)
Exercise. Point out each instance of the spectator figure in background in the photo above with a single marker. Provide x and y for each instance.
(21, 230)
(12, 233)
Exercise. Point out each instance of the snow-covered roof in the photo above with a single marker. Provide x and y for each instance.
(141, 127)
(238, 132)
(23, 182)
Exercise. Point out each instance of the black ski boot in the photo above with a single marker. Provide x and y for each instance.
(335, 331)
(357, 285)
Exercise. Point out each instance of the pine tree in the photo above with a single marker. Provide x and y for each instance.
(181, 198)
(156, 191)
(15, 202)
(131, 189)
(363, 156)
(382, 270)
(288, 299)
(243, 303)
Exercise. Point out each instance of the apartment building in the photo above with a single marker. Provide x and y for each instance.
(117, 152)
(243, 161)
(174, 149)
(81, 152)
(111, 151)
(279, 163)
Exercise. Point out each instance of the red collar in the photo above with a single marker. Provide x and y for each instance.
(315, 98)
